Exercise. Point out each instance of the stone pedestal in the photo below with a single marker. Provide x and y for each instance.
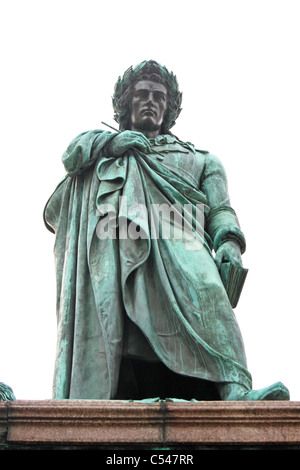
(125, 425)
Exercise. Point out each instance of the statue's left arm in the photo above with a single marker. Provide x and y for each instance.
(222, 223)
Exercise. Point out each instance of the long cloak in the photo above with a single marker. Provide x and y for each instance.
(171, 291)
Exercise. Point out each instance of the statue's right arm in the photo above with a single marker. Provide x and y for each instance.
(86, 148)
(125, 141)
(83, 151)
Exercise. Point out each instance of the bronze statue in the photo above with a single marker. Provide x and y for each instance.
(144, 228)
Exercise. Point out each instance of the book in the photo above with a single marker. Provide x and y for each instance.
(233, 277)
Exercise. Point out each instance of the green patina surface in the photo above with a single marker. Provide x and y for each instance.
(144, 315)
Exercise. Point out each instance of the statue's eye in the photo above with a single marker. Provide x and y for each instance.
(159, 96)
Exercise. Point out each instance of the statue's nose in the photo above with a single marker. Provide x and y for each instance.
(150, 98)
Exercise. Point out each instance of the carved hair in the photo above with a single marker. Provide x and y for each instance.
(147, 70)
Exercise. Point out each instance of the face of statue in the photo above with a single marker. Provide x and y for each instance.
(148, 107)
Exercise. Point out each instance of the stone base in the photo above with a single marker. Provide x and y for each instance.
(85, 424)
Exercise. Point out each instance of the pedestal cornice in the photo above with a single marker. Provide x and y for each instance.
(159, 424)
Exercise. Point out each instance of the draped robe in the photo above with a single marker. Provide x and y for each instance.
(167, 288)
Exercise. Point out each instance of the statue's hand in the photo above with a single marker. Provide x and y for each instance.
(228, 252)
(127, 140)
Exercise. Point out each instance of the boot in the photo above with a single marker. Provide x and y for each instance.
(237, 392)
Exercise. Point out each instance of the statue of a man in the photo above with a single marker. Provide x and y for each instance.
(141, 308)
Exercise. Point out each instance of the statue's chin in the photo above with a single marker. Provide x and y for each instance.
(147, 124)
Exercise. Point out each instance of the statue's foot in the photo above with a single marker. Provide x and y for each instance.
(277, 391)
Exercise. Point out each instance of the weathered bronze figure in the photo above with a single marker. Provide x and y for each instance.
(141, 307)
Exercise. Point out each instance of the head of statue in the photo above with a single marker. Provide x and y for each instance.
(147, 96)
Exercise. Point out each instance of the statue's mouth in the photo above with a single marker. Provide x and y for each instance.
(149, 111)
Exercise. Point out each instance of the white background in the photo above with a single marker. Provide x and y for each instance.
(237, 63)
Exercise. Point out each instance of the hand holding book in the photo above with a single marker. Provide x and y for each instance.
(229, 262)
